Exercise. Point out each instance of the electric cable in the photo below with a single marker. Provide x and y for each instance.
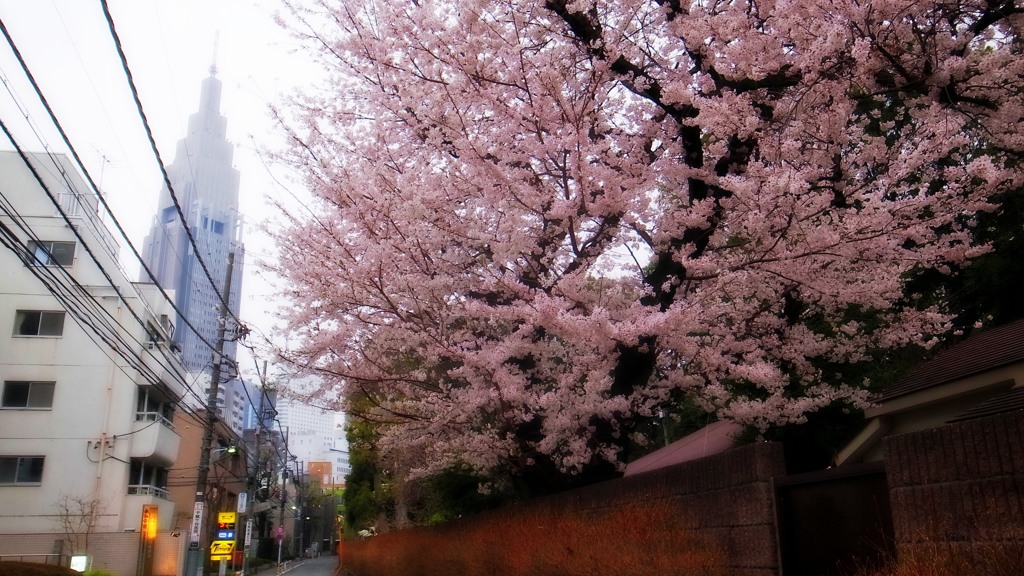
(101, 198)
(120, 229)
(92, 183)
(160, 162)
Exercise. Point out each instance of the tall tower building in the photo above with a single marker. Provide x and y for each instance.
(206, 187)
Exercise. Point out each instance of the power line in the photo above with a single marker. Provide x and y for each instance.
(80, 306)
(102, 200)
(160, 162)
(92, 183)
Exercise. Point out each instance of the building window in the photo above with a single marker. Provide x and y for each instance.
(21, 469)
(147, 480)
(52, 253)
(36, 395)
(152, 408)
(38, 323)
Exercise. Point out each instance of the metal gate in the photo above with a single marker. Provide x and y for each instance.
(833, 520)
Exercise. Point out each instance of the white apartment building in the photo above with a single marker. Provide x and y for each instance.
(310, 429)
(315, 434)
(89, 380)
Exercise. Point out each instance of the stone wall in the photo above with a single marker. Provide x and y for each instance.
(726, 497)
(960, 487)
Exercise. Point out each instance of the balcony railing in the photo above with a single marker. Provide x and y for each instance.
(147, 490)
(153, 417)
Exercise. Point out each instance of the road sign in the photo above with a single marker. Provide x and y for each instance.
(280, 533)
(221, 549)
(243, 500)
(248, 532)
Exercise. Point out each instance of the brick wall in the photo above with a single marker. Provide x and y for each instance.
(960, 487)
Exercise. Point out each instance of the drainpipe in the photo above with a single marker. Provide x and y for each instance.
(103, 442)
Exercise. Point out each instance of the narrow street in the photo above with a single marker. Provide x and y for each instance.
(322, 566)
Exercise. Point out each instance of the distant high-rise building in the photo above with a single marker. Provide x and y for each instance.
(205, 185)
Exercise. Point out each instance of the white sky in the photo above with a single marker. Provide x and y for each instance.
(169, 46)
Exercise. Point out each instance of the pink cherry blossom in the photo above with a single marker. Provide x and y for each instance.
(536, 222)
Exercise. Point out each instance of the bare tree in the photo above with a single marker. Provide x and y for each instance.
(78, 516)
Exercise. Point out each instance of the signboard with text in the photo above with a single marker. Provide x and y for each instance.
(147, 547)
(221, 549)
(226, 525)
(197, 523)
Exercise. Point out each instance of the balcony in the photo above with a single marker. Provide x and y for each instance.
(153, 439)
(163, 363)
(147, 490)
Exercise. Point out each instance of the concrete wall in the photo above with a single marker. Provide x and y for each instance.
(959, 487)
(114, 552)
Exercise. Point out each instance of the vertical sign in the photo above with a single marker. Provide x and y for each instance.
(248, 532)
(243, 500)
(147, 531)
(197, 526)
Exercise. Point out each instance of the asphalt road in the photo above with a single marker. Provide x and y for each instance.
(322, 566)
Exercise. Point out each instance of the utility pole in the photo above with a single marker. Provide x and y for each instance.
(254, 475)
(284, 498)
(194, 558)
(299, 514)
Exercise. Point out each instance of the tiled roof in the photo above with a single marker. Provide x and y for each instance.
(989, 349)
(712, 439)
(1008, 401)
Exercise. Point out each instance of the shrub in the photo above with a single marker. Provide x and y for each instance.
(639, 540)
(991, 558)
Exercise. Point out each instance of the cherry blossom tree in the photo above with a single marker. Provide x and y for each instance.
(538, 221)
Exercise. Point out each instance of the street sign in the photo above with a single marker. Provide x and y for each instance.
(197, 523)
(248, 532)
(221, 549)
(243, 500)
(280, 533)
